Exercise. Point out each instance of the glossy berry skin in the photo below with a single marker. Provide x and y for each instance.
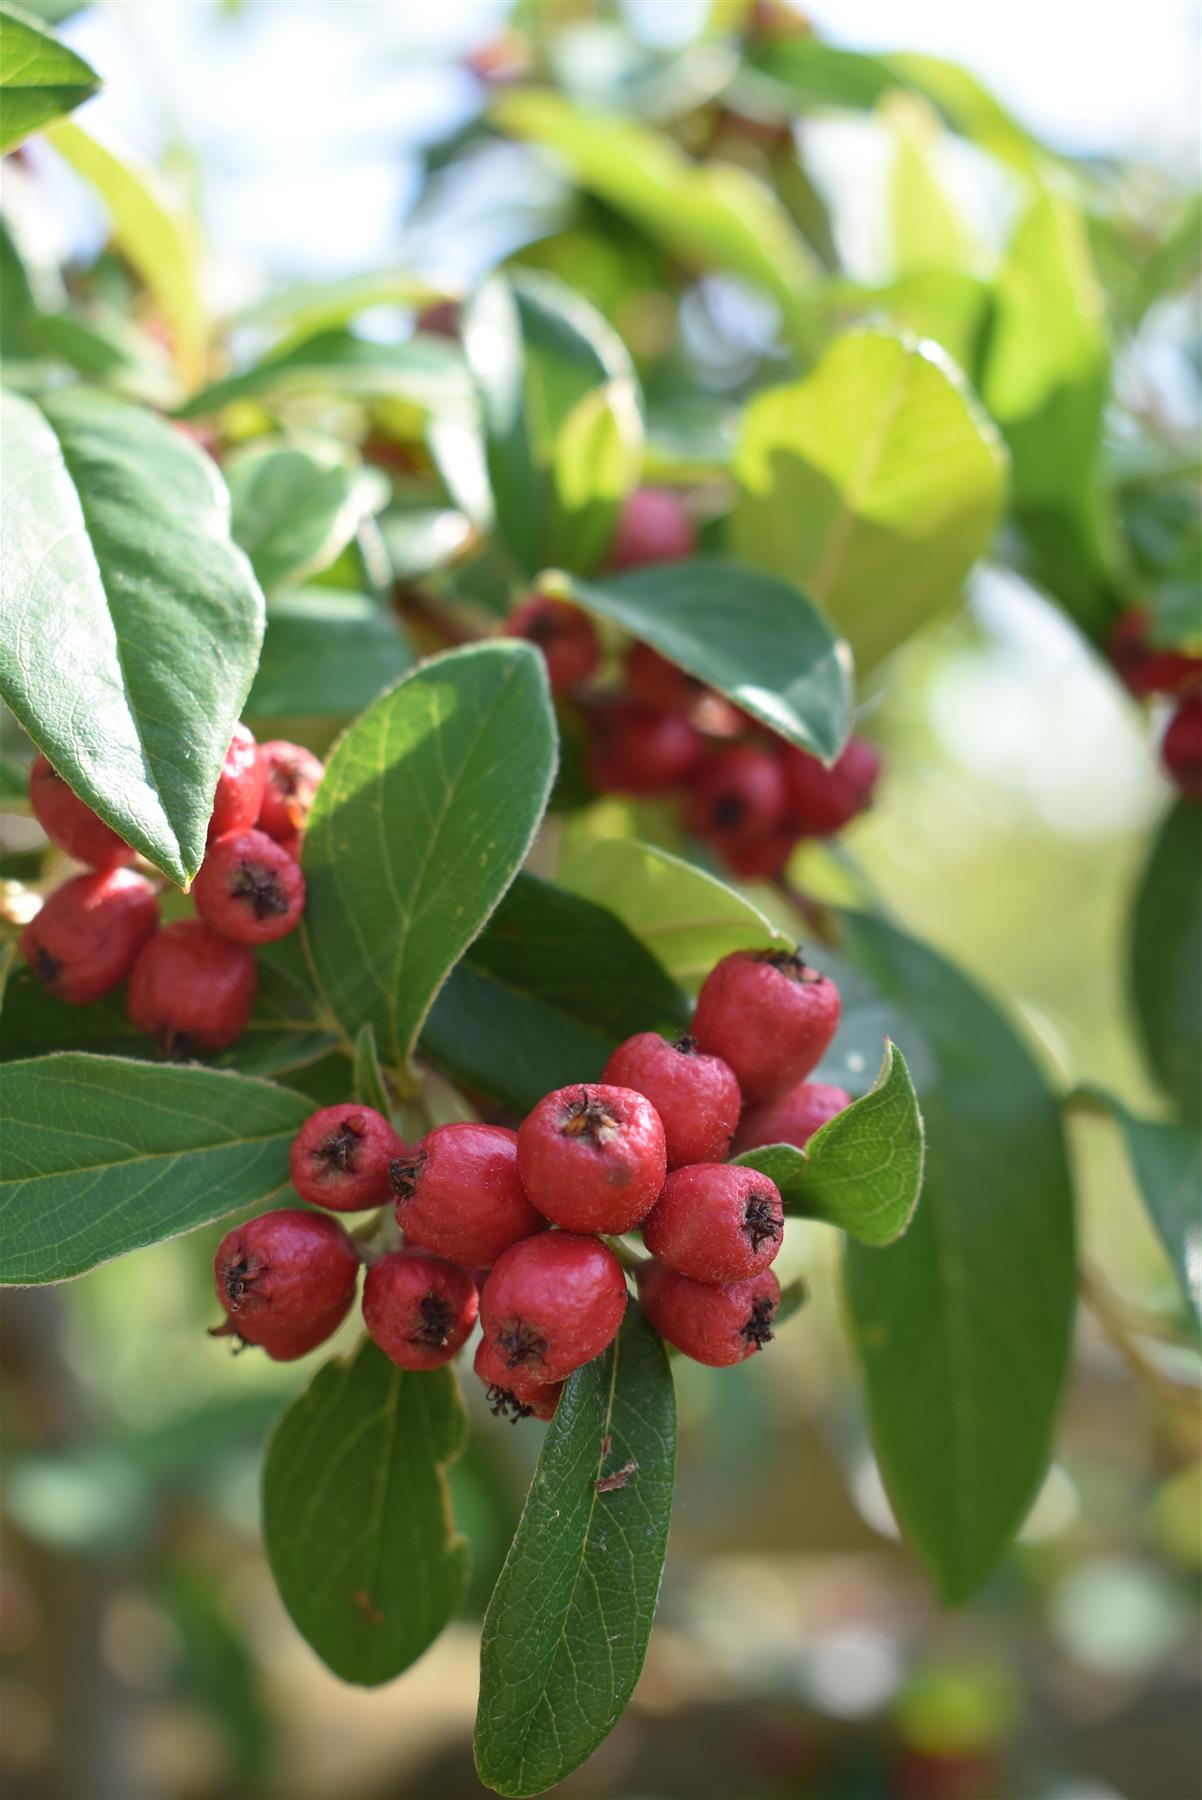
(719, 1326)
(696, 1096)
(340, 1158)
(565, 636)
(593, 1157)
(460, 1195)
(509, 1396)
(286, 1280)
(654, 528)
(249, 888)
(1181, 748)
(291, 777)
(239, 794)
(84, 941)
(756, 855)
(792, 1118)
(551, 1303)
(1145, 668)
(769, 1015)
(822, 801)
(418, 1310)
(651, 680)
(192, 989)
(70, 822)
(715, 1222)
(637, 751)
(736, 792)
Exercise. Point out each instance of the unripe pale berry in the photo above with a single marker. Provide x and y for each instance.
(249, 888)
(565, 635)
(1181, 748)
(70, 822)
(192, 989)
(84, 941)
(240, 784)
(719, 1326)
(551, 1303)
(823, 801)
(738, 791)
(286, 1280)
(792, 1118)
(696, 1096)
(291, 776)
(509, 1396)
(769, 1015)
(341, 1155)
(459, 1194)
(654, 527)
(419, 1310)
(635, 750)
(592, 1157)
(651, 680)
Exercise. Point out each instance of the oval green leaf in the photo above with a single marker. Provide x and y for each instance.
(1167, 1160)
(40, 79)
(296, 506)
(1166, 958)
(326, 655)
(367, 1076)
(423, 370)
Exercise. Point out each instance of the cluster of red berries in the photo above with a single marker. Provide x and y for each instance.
(508, 1227)
(1147, 671)
(192, 983)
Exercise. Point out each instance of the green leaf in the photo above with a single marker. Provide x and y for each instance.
(311, 306)
(102, 1156)
(295, 506)
(1176, 260)
(550, 987)
(963, 1326)
(749, 635)
(326, 655)
(357, 1515)
(1166, 958)
(132, 623)
(426, 812)
(154, 231)
(563, 429)
(862, 1171)
(426, 371)
(948, 305)
(39, 78)
(368, 1076)
(566, 1629)
(1167, 1160)
(874, 484)
(927, 229)
(686, 918)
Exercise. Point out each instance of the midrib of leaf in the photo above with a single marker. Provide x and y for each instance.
(853, 492)
(955, 1336)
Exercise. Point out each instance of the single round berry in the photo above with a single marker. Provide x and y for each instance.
(592, 1157)
(654, 528)
(509, 1396)
(192, 989)
(249, 888)
(565, 636)
(460, 1195)
(719, 1326)
(291, 776)
(240, 784)
(340, 1158)
(651, 680)
(696, 1096)
(70, 822)
(551, 1303)
(418, 1310)
(84, 941)
(792, 1118)
(769, 1015)
(756, 855)
(716, 1222)
(286, 1280)
(736, 792)
(1145, 668)
(822, 801)
(637, 751)
(1181, 748)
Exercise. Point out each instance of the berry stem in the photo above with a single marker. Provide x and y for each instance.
(626, 1255)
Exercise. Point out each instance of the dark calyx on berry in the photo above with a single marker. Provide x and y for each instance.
(337, 1151)
(237, 1278)
(791, 963)
(588, 1117)
(503, 1403)
(519, 1343)
(438, 1316)
(403, 1175)
(759, 1221)
(260, 888)
(758, 1329)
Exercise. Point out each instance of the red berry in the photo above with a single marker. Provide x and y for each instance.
(738, 792)
(792, 1118)
(551, 1303)
(70, 822)
(249, 888)
(340, 1158)
(191, 989)
(565, 636)
(1181, 748)
(653, 681)
(291, 776)
(768, 1015)
(756, 855)
(418, 1310)
(637, 751)
(509, 1397)
(715, 1222)
(239, 786)
(696, 1096)
(822, 801)
(460, 1195)
(715, 1325)
(83, 942)
(440, 319)
(1145, 669)
(286, 1279)
(593, 1157)
(654, 527)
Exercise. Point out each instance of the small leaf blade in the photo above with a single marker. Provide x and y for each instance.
(40, 79)
(1165, 970)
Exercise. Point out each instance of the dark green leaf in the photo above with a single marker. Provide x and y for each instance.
(326, 655)
(295, 506)
(423, 370)
(132, 623)
(102, 1156)
(356, 1513)
(368, 1076)
(1167, 1160)
(793, 1297)
(1166, 958)
(39, 78)
(567, 1627)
